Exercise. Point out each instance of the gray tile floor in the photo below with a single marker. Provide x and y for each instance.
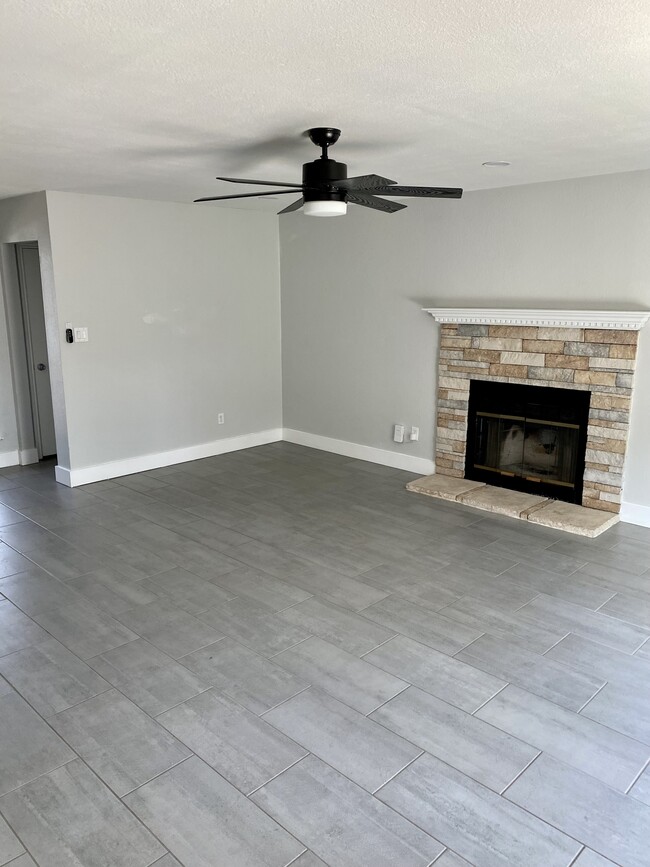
(280, 656)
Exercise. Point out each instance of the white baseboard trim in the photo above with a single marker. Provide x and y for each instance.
(632, 513)
(9, 459)
(28, 456)
(63, 476)
(112, 469)
(363, 453)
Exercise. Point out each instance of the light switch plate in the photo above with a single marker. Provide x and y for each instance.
(81, 335)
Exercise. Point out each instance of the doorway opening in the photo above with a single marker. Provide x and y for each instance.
(37, 399)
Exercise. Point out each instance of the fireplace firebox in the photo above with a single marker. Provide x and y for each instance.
(528, 438)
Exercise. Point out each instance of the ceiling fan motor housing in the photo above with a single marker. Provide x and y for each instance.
(320, 174)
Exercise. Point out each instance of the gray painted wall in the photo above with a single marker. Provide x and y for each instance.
(182, 307)
(359, 355)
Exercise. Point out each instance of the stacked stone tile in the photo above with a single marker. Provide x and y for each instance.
(600, 361)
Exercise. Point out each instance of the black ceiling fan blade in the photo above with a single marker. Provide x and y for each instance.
(293, 206)
(374, 202)
(426, 192)
(262, 183)
(364, 182)
(244, 196)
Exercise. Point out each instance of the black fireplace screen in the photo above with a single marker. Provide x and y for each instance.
(530, 438)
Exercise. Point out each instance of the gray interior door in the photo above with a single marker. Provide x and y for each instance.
(31, 294)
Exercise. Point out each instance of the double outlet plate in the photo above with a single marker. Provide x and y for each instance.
(400, 435)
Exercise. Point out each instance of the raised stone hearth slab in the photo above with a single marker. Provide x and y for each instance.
(526, 507)
(516, 504)
(443, 487)
(573, 519)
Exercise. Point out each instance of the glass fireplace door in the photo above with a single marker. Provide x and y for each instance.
(535, 449)
(529, 438)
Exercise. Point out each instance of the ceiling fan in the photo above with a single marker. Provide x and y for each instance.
(326, 188)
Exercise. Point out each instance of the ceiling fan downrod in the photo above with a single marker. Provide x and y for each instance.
(323, 137)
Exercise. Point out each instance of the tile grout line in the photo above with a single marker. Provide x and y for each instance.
(584, 849)
(397, 773)
(381, 644)
(284, 701)
(590, 699)
(636, 779)
(279, 774)
(384, 703)
(488, 700)
(293, 860)
(522, 771)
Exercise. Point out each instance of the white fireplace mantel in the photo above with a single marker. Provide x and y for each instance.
(628, 320)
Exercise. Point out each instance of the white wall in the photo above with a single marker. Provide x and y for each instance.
(359, 355)
(24, 218)
(182, 303)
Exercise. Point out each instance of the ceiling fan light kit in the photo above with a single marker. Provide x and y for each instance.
(327, 190)
(318, 208)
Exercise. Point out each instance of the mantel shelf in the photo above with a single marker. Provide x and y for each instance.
(626, 320)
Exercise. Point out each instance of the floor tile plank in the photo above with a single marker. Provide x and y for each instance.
(570, 737)
(344, 676)
(349, 631)
(168, 627)
(29, 747)
(150, 678)
(342, 823)
(409, 619)
(123, 746)
(367, 753)
(481, 751)
(610, 823)
(531, 671)
(474, 821)
(557, 614)
(10, 845)
(68, 817)
(623, 709)
(50, 677)
(446, 677)
(84, 629)
(250, 679)
(205, 821)
(241, 746)
(17, 630)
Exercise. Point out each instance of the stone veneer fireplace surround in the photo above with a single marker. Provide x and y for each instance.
(585, 350)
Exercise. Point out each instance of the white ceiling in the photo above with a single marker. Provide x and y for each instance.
(153, 98)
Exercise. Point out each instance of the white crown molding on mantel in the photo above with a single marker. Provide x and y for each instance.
(626, 320)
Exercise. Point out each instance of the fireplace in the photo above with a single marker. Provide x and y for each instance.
(528, 438)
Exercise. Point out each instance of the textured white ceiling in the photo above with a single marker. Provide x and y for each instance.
(153, 98)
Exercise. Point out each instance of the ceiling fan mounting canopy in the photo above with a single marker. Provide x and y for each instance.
(327, 190)
(324, 136)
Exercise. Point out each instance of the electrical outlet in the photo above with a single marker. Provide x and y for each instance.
(221, 418)
(414, 434)
(398, 433)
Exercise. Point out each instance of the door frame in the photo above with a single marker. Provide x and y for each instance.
(29, 349)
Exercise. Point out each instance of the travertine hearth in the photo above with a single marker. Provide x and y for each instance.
(556, 352)
(515, 504)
